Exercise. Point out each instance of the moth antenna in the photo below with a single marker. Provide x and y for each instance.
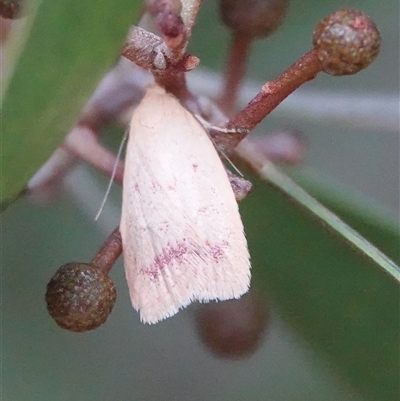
(231, 163)
(121, 146)
(209, 127)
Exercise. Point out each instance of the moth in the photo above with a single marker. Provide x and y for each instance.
(182, 235)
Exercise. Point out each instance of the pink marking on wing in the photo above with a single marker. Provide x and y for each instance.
(178, 253)
(164, 226)
(166, 257)
(152, 273)
(217, 251)
(203, 209)
(156, 187)
(170, 254)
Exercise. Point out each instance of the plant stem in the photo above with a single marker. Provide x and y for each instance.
(273, 93)
(270, 96)
(109, 252)
(190, 8)
(234, 72)
(83, 143)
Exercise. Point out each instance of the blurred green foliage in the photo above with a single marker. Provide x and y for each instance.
(337, 301)
(69, 47)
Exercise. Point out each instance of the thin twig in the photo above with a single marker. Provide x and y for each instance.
(234, 72)
(274, 92)
(375, 111)
(269, 97)
(190, 8)
(109, 252)
(83, 143)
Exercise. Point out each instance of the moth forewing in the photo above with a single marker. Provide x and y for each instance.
(181, 231)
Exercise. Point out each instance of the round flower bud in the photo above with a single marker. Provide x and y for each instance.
(253, 18)
(235, 328)
(80, 297)
(346, 42)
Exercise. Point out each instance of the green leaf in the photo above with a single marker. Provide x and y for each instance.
(335, 299)
(329, 219)
(68, 48)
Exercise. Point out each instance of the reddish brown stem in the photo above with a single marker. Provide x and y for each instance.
(269, 97)
(234, 72)
(5, 26)
(189, 13)
(176, 84)
(167, 65)
(109, 252)
(273, 93)
(173, 83)
(82, 142)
